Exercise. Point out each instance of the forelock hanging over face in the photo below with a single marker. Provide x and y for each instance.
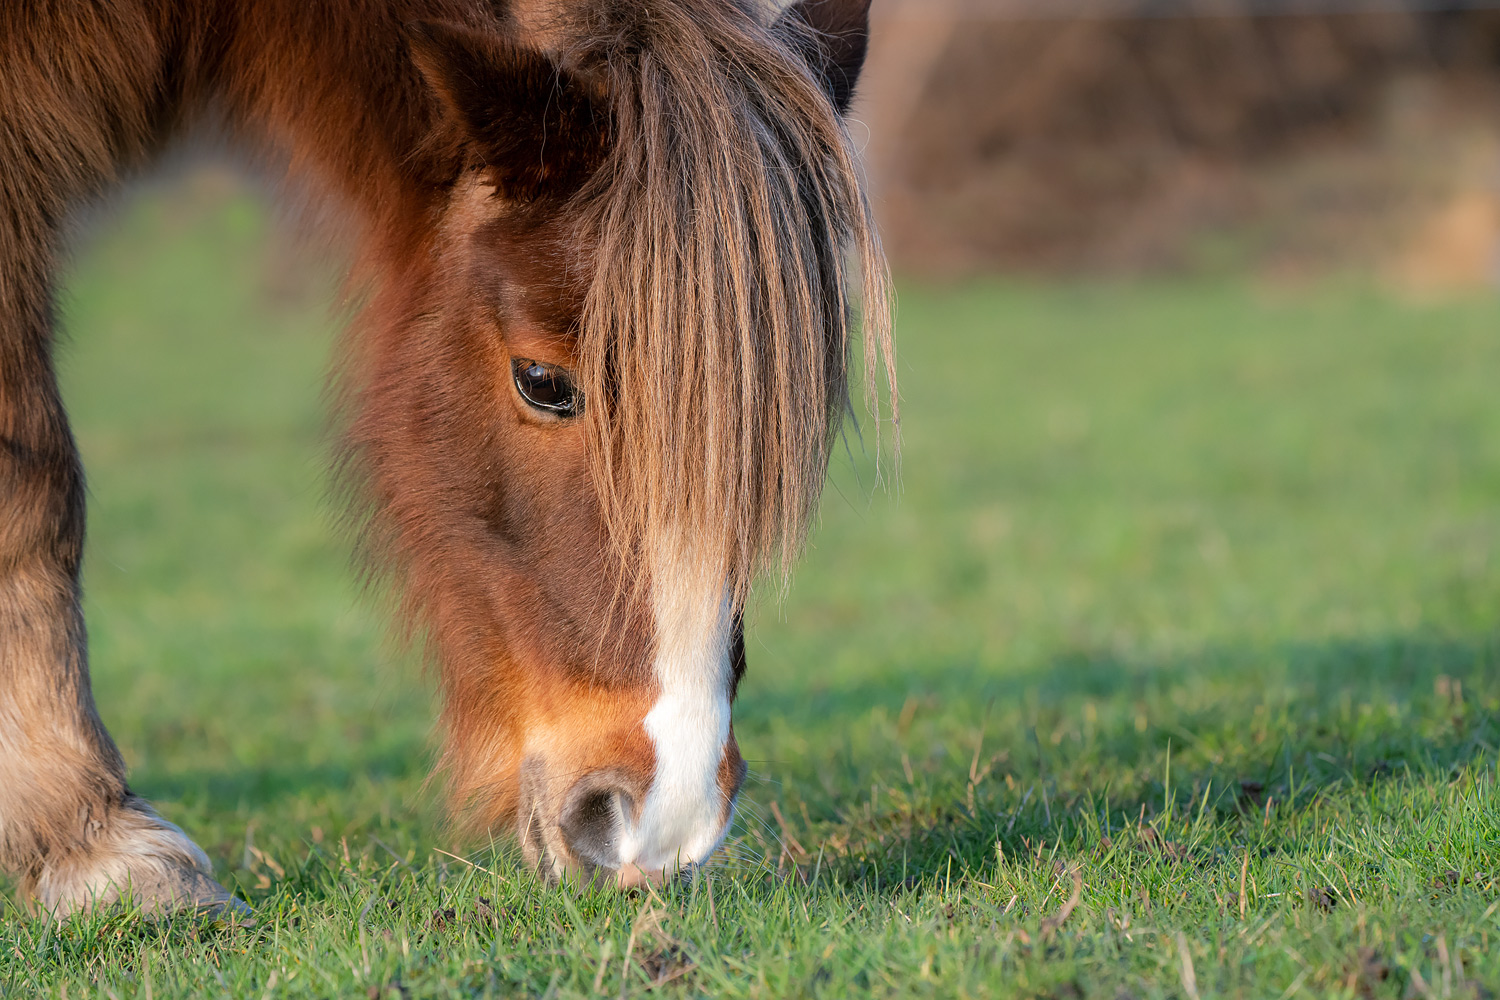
(716, 332)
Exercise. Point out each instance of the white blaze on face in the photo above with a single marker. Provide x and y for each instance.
(684, 818)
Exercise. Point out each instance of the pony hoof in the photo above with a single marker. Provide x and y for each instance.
(187, 891)
(138, 859)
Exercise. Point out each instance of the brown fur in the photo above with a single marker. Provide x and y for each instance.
(670, 222)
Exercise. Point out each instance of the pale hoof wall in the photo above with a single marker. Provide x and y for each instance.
(188, 891)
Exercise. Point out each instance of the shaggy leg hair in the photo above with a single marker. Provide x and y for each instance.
(69, 827)
(68, 824)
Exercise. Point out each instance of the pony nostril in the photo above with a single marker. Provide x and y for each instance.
(593, 821)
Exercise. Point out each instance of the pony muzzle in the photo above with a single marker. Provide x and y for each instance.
(618, 826)
(638, 781)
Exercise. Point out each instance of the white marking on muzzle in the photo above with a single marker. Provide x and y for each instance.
(684, 818)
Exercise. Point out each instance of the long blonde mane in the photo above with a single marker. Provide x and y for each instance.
(732, 233)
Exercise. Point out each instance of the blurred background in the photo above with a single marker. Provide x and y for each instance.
(1284, 138)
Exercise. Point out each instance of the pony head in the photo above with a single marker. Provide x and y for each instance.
(600, 392)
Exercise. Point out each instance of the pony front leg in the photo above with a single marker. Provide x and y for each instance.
(70, 830)
(82, 88)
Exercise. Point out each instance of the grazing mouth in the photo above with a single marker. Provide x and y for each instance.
(599, 832)
(559, 867)
(586, 874)
(582, 873)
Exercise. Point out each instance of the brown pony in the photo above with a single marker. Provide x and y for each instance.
(607, 250)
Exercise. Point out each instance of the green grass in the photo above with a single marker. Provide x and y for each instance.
(1188, 589)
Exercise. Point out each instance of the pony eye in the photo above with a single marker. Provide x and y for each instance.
(547, 387)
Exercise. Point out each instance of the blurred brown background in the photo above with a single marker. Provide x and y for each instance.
(1290, 138)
